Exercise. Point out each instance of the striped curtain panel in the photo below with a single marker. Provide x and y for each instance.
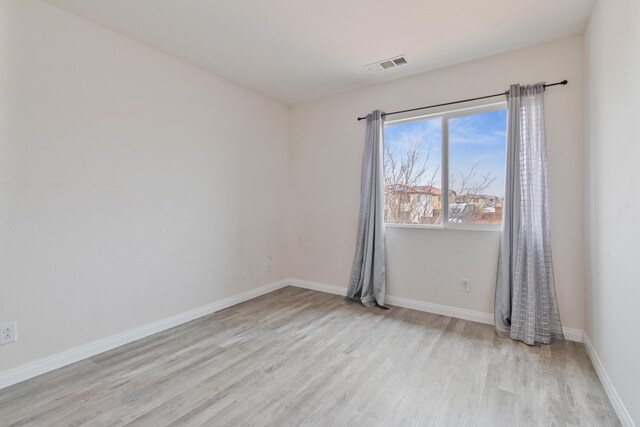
(368, 273)
(526, 307)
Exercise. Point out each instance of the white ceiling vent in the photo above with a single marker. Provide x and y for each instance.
(387, 64)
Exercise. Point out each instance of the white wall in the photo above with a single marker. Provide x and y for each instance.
(132, 185)
(425, 264)
(613, 179)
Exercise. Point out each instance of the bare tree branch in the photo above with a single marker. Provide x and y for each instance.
(470, 187)
(406, 184)
(411, 196)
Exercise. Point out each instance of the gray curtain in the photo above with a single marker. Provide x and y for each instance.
(367, 282)
(526, 308)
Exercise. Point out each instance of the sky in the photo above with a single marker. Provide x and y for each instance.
(479, 138)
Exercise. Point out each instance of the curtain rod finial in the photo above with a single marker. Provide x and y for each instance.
(564, 82)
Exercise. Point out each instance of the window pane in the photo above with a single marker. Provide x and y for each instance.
(477, 145)
(412, 172)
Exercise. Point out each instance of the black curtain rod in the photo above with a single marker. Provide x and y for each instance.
(564, 82)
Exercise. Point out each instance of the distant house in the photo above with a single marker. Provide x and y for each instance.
(476, 208)
(421, 204)
(481, 200)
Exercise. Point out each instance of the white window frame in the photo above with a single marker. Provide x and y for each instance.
(444, 117)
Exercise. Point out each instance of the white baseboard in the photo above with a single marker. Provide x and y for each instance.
(570, 334)
(316, 286)
(443, 310)
(614, 397)
(38, 367)
(33, 369)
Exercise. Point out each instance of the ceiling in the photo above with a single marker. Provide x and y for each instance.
(299, 50)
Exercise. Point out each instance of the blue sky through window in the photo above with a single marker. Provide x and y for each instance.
(477, 139)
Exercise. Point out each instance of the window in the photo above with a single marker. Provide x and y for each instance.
(446, 169)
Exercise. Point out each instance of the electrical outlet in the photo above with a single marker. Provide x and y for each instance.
(8, 333)
(268, 267)
(466, 285)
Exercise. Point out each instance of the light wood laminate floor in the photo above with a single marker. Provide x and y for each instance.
(300, 357)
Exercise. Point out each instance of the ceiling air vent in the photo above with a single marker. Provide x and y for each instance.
(387, 64)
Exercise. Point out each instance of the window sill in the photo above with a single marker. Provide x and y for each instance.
(460, 227)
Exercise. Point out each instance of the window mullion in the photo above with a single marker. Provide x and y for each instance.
(444, 197)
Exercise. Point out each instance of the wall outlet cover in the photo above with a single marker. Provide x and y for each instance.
(8, 333)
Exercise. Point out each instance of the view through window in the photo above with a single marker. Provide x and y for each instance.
(462, 151)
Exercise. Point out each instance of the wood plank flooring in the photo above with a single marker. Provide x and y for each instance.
(299, 357)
